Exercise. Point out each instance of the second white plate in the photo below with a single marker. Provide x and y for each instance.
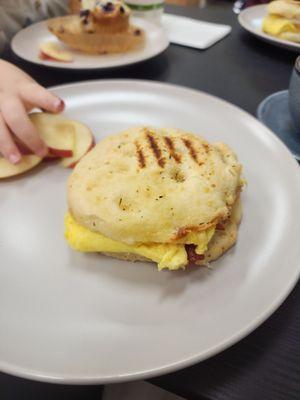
(251, 19)
(26, 45)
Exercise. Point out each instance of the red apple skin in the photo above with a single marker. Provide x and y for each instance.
(73, 165)
(60, 153)
(53, 153)
(44, 56)
(50, 157)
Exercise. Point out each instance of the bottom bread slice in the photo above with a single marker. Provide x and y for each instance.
(222, 240)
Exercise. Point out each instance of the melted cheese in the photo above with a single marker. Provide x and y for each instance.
(167, 255)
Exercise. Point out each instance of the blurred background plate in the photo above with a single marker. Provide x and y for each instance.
(85, 318)
(25, 44)
(251, 19)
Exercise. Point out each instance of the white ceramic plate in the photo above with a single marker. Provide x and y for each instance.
(26, 45)
(86, 318)
(251, 19)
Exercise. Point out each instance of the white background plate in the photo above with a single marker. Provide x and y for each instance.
(86, 318)
(251, 19)
(26, 45)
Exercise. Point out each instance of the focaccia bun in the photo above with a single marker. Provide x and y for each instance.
(286, 8)
(148, 185)
(224, 238)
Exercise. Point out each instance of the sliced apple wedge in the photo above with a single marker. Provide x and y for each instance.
(58, 153)
(27, 162)
(57, 132)
(84, 141)
(52, 51)
(24, 150)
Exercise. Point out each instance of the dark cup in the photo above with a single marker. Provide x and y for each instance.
(294, 94)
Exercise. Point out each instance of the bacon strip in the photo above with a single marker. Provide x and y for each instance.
(193, 257)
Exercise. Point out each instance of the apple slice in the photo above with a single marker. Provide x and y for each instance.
(52, 51)
(57, 132)
(24, 150)
(27, 162)
(84, 141)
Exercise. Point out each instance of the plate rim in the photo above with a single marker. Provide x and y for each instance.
(208, 353)
(64, 66)
(260, 34)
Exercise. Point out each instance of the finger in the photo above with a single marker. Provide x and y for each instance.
(37, 96)
(16, 118)
(8, 148)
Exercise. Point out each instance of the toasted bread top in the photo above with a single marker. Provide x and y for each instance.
(154, 185)
(289, 9)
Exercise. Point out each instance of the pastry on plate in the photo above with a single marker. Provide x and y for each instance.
(158, 195)
(283, 20)
(101, 27)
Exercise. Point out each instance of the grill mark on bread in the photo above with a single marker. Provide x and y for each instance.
(155, 149)
(140, 156)
(206, 147)
(192, 151)
(171, 148)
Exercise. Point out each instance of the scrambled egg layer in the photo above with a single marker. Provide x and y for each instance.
(168, 255)
(276, 25)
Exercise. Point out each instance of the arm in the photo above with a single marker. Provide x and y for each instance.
(19, 93)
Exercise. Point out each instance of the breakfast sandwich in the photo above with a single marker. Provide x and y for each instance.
(283, 20)
(157, 195)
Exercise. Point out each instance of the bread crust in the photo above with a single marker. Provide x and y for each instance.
(154, 198)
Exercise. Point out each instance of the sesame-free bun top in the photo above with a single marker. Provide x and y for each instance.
(289, 9)
(154, 185)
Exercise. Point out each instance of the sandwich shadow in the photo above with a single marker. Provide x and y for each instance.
(133, 275)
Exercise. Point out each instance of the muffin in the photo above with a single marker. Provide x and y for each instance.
(100, 27)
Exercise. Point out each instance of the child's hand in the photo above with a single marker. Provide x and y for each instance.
(19, 94)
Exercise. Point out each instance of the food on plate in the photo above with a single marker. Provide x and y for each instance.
(83, 142)
(283, 20)
(56, 131)
(101, 27)
(52, 51)
(8, 170)
(158, 195)
(74, 6)
(67, 140)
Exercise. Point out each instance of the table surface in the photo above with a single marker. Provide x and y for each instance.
(243, 70)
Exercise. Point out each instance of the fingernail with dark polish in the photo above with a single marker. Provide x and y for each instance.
(59, 104)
